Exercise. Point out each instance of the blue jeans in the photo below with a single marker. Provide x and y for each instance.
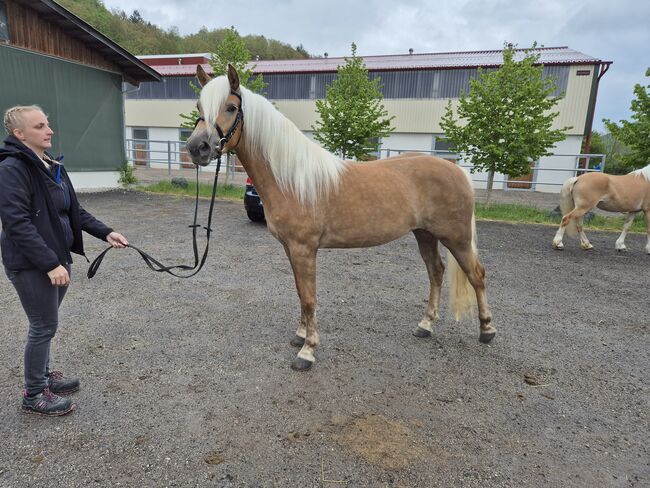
(40, 300)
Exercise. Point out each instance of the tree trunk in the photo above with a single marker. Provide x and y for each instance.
(490, 182)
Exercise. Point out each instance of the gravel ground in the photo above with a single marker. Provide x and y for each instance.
(188, 383)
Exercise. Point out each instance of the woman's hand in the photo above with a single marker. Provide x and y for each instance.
(116, 239)
(59, 276)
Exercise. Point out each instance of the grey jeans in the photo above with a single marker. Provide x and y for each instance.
(40, 300)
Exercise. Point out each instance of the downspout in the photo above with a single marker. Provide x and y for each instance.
(124, 93)
(602, 69)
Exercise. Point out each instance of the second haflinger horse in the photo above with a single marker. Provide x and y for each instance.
(313, 200)
(628, 193)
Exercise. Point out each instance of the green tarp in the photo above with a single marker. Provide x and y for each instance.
(84, 106)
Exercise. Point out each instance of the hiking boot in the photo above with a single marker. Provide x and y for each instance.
(60, 385)
(47, 403)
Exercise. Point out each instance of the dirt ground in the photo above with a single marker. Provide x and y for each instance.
(187, 383)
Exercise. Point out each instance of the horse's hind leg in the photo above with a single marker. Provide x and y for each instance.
(475, 272)
(620, 242)
(584, 241)
(428, 246)
(303, 263)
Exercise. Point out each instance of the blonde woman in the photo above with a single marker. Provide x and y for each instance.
(41, 226)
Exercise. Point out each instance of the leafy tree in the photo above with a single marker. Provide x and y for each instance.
(231, 50)
(612, 148)
(506, 117)
(635, 134)
(352, 117)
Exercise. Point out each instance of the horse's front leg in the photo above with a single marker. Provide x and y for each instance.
(646, 215)
(620, 242)
(303, 263)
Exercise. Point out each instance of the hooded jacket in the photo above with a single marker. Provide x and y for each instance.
(32, 233)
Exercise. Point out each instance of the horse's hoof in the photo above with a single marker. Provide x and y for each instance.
(558, 247)
(297, 341)
(622, 249)
(486, 337)
(300, 364)
(420, 332)
(587, 248)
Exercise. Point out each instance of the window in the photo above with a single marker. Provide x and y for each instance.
(4, 27)
(183, 135)
(140, 146)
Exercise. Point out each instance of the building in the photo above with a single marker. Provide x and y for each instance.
(417, 88)
(51, 58)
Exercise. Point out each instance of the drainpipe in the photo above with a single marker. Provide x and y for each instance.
(602, 69)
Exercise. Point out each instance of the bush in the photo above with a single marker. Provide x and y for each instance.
(126, 174)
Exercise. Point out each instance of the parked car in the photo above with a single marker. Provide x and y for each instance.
(253, 203)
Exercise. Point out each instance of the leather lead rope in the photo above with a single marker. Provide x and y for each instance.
(156, 265)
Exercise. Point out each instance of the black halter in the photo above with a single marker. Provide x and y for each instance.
(225, 138)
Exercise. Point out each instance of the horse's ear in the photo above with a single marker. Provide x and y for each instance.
(233, 78)
(202, 76)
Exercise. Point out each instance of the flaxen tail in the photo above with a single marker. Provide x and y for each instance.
(462, 296)
(567, 204)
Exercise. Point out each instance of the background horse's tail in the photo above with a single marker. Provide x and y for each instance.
(567, 204)
(462, 296)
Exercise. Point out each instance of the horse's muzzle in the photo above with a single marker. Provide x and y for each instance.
(200, 151)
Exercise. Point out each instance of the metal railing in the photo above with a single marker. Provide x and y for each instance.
(172, 155)
(582, 163)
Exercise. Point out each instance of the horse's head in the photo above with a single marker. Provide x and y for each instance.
(219, 127)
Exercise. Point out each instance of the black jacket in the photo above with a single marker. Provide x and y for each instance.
(32, 234)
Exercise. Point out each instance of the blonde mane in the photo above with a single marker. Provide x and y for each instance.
(298, 164)
(645, 172)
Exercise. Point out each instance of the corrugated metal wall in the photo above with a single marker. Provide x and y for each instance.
(84, 105)
(297, 86)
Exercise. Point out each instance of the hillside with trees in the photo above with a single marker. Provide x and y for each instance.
(140, 36)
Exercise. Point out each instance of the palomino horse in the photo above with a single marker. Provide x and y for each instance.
(314, 200)
(629, 193)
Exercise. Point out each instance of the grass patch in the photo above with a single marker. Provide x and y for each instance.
(496, 211)
(229, 192)
(532, 215)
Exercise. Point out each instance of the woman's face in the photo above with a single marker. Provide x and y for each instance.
(35, 132)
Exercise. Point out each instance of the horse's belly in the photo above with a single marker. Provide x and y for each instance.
(352, 237)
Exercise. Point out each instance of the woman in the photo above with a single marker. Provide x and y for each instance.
(41, 226)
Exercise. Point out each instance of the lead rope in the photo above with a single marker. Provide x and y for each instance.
(156, 265)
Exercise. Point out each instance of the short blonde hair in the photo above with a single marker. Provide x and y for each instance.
(14, 116)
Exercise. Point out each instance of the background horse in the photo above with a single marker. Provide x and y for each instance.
(629, 193)
(313, 200)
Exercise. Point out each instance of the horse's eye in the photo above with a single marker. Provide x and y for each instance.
(231, 109)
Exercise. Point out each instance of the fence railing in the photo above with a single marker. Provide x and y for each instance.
(538, 177)
(172, 155)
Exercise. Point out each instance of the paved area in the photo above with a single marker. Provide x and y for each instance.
(187, 383)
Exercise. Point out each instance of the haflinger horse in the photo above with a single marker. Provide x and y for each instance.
(312, 200)
(628, 193)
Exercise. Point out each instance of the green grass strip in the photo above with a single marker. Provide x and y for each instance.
(497, 211)
(532, 215)
(228, 192)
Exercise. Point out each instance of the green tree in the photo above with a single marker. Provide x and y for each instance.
(231, 50)
(505, 122)
(635, 134)
(612, 148)
(352, 116)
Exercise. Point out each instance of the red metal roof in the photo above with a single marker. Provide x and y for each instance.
(467, 59)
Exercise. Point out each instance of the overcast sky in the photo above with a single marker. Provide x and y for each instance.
(617, 31)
